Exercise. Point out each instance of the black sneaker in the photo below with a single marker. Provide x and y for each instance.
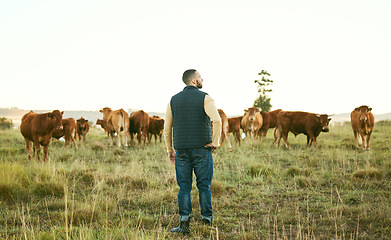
(206, 222)
(182, 228)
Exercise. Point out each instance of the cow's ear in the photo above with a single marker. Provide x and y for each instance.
(369, 109)
(245, 110)
(50, 115)
(329, 119)
(101, 111)
(357, 109)
(62, 113)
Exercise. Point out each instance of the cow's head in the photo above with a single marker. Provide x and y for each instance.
(101, 122)
(106, 111)
(82, 123)
(324, 121)
(251, 112)
(364, 111)
(56, 117)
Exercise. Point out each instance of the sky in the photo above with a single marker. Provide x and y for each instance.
(323, 56)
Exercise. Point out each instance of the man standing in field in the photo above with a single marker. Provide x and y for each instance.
(188, 124)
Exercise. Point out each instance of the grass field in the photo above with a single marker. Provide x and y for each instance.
(259, 191)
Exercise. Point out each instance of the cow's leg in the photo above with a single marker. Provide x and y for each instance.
(126, 133)
(119, 138)
(67, 140)
(28, 148)
(155, 138)
(229, 142)
(45, 151)
(74, 142)
(285, 137)
(139, 139)
(145, 136)
(131, 139)
(237, 136)
(364, 142)
(37, 148)
(277, 136)
(355, 138)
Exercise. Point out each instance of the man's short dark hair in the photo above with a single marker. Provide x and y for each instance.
(188, 75)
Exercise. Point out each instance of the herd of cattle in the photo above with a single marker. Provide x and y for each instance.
(40, 128)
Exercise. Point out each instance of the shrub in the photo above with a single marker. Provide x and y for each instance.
(5, 123)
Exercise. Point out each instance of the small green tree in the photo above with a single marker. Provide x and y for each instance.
(263, 101)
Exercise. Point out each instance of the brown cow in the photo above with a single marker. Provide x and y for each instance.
(117, 121)
(252, 121)
(224, 129)
(68, 131)
(82, 128)
(103, 124)
(234, 127)
(139, 124)
(362, 121)
(310, 124)
(39, 128)
(269, 121)
(156, 126)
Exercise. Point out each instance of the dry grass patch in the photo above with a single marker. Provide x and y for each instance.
(368, 173)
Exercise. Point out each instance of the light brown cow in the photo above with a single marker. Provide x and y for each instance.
(38, 128)
(252, 121)
(117, 121)
(269, 121)
(156, 126)
(139, 124)
(82, 128)
(224, 129)
(362, 121)
(68, 131)
(310, 124)
(234, 127)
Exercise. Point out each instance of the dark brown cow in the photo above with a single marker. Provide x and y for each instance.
(68, 131)
(251, 122)
(139, 124)
(234, 127)
(310, 124)
(362, 121)
(82, 128)
(38, 128)
(269, 121)
(224, 129)
(156, 126)
(117, 121)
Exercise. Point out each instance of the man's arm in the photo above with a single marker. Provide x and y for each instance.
(211, 111)
(168, 134)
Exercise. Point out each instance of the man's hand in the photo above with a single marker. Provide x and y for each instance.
(171, 157)
(210, 146)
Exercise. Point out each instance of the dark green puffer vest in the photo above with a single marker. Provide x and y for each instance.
(191, 125)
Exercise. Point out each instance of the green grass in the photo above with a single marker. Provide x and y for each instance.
(259, 191)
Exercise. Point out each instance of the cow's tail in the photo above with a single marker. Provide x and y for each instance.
(277, 135)
(122, 128)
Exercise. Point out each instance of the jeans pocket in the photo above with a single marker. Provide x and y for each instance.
(201, 157)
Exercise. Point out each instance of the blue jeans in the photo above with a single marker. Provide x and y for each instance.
(201, 161)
